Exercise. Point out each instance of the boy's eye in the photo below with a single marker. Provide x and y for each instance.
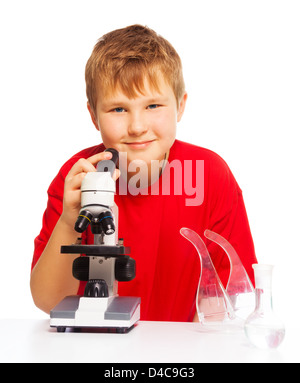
(119, 110)
(153, 106)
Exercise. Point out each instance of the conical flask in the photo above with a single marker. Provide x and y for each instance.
(262, 327)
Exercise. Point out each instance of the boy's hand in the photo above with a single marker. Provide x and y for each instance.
(72, 192)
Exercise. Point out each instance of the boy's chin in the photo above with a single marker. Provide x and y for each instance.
(145, 157)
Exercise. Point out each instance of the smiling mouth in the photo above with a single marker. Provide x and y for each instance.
(139, 144)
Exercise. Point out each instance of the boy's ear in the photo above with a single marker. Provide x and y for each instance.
(93, 117)
(181, 107)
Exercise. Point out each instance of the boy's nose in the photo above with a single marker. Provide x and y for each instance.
(137, 126)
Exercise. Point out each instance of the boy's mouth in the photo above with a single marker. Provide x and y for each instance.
(139, 144)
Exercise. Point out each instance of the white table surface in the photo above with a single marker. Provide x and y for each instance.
(152, 342)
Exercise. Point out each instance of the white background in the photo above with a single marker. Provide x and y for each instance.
(241, 62)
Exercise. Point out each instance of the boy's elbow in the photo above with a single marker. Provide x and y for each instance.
(37, 298)
(46, 295)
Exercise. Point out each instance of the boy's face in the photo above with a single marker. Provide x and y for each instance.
(144, 127)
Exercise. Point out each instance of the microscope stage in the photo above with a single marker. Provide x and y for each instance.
(96, 250)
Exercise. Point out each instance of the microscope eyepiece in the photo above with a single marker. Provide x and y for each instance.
(115, 155)
(109, 165)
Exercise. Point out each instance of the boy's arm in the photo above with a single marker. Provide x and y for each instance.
(51, 278)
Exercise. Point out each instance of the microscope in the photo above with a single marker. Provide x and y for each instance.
(105, 262)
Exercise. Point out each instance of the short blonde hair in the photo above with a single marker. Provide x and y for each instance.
(125, 57)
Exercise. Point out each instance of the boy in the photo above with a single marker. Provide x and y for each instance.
(136, 96)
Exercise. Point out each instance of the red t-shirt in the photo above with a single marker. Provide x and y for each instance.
(167, 265)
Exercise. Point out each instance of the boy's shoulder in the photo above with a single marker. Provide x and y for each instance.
(216, 168)
(185, 150)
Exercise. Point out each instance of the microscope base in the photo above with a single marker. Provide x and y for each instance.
(109, 314)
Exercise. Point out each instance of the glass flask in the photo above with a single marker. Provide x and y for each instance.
(239, 287)
(212, 301)
(225, 309)
(262, 327)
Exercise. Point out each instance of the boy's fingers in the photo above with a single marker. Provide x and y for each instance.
(87, 165)
(116, 174)
(81, 166)
(99, 157)
(76, 180)
(104, 156)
